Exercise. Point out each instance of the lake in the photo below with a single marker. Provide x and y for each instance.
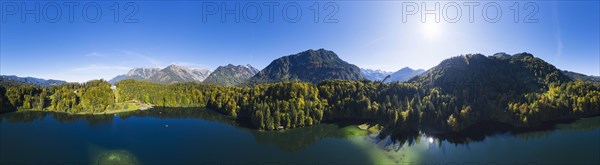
(201, 136)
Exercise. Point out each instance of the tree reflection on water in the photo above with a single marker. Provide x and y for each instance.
(300, 138)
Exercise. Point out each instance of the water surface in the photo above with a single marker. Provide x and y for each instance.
(196, 136)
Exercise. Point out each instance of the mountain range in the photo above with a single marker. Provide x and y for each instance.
(459, 92)
(404, 74)
(309, 66)
(231, 75)
(32, 81)
(170, 74)
(374, 75)
(175, 73)
(401, 75)
(136, 74)
(527, 72)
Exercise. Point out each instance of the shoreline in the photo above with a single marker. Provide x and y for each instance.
(372, 127)
(107, 112)
(133, 107)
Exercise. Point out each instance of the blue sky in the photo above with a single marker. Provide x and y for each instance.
(369, 34)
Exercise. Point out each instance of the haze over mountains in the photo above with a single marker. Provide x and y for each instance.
(404, 74)
(401, 75)
(374, 75)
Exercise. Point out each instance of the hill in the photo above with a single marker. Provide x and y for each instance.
(309, 66)
(518, 73)
(32, 81)
(579, 76)
(488, 85)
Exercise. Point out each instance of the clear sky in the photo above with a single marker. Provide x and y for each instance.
(77, 46)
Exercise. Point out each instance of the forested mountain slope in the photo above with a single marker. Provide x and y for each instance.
(309, 66)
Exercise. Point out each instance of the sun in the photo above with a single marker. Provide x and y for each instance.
(431, 29)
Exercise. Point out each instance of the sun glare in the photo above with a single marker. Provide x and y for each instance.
(431, 29)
